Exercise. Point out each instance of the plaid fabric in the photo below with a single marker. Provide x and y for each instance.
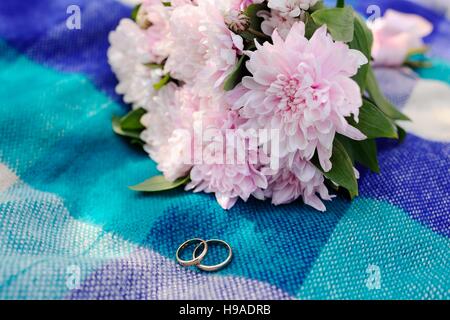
(70, 229)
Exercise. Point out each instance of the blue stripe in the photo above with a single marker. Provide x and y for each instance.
(38, 30)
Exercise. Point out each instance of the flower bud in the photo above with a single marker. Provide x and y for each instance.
(142, 19)
(237, 21)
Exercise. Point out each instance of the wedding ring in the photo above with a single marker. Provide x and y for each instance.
(216, 267)
(195, 260)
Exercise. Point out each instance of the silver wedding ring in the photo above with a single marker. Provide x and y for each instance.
(196, 260)
(217, 266)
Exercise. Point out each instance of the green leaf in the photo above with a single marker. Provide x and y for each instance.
(154, 66)
(361, 77)
(254, 29)
(129, 125)
(117, 127)
(132, 121)
(164, 80)
(236, 75)
(137, 142)
(319, 5)
(310, 26)
(135, 12)
(380, 100)
(340, 3)
(159, 183)
(362, 41)
(373, 123)
(250, 35)
(252, 12)
(363, 152)
(342, 171)
(366, 35)
(339, 22)
(401, 134)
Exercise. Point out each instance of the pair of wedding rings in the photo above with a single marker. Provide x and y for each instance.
(197, 259)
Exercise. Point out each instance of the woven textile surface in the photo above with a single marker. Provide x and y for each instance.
(70, 228)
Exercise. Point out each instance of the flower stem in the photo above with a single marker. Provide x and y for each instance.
(258, 34)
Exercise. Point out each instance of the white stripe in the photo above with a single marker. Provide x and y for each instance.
(429, 109)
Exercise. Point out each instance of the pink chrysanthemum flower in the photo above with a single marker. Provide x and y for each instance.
(295, 179)
(168, 136)
(154, 17)
(203, 50)
(303, 88)
(227, 182)
(128, 55)
(221, 170)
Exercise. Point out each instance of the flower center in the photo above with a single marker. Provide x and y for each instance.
(290, 93)
(295, 94)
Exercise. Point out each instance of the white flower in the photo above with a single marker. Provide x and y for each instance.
(173, 158)
(203, 50)
(159, 119)
(292, 8)
(228, 167)
(154, 17)
(275, 20)
(168, 135)
(128, 55)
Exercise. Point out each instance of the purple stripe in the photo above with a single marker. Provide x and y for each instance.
(146, 275)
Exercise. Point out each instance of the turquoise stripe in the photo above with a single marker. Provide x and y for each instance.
(440, 70)
(70, 151)
(375, 236)
(56, 135)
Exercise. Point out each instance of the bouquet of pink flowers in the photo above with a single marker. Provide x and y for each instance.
(272, 99)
